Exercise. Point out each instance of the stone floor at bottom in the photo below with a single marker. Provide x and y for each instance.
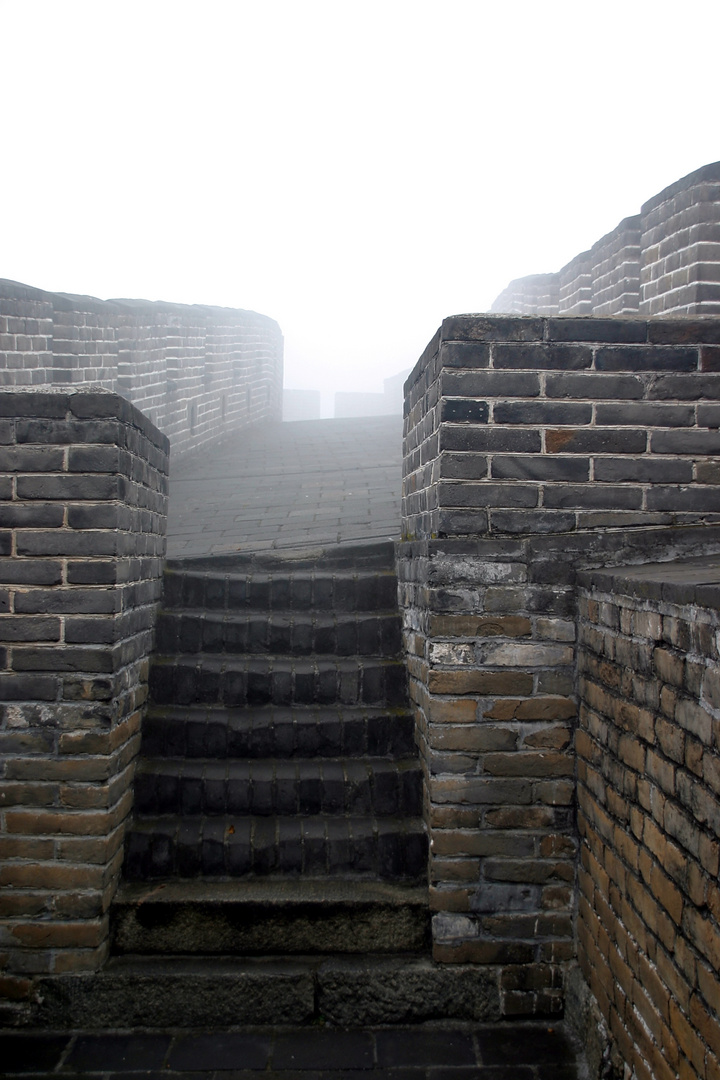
(504, 1051)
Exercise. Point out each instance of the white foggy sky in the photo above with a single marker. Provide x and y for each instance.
(357, 171)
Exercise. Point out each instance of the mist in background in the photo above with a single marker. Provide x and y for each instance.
(357, 171)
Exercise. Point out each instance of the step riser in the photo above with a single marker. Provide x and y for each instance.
(281, 592)
(371, 683)
(283, 636)
(349, 994)
(234, 736)
(378, 794)
(156, 929)
(261, 848)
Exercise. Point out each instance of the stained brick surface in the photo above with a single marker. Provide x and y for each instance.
(80, 582)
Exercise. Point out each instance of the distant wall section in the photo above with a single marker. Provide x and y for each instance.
(196, 372)
(665, 260)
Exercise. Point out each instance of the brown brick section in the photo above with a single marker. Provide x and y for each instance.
(649, 817)
(84, 492)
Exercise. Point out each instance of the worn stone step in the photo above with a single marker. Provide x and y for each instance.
(283, 632)
(287, 917)
(273, 731)
(281, 590)
(250, 680)
(217, 993)
(386, 848)
(374, 786)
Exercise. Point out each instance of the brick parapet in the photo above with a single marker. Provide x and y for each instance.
(666, 260)
(197, 372)
(648, 811)
(556, 425)
(83, 482)
(506, 498)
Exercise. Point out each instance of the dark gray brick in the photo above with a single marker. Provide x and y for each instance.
(592, 496)
(541, 412)
(486, 494)
(520, 522)
(646, 358)
(65, 542)
(31, 459)
(28, 688)
(466, 354)
(543, 357)
(685, 388)
(643, 470)
(66, 487)
(685, 442)
(92, 572)
(524, 384)
(645, 414)
(491, 328)
(62, 432)
(595, 441)
(705, 499)
(540, 467)
(27, 628)
(463, 466)
(596, 330)
(490, 439)
(464, 410)
(30, 572)
(33, 515)
(594, 386)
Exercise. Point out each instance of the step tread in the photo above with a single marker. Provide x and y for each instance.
(278, 893)
(312, 824)
(302, 712)
(269, 767)
(270, 661)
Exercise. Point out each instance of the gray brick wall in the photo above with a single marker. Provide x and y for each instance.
(666, 260)
(196, 372)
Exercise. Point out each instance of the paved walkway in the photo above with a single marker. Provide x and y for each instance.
(312, 482)
(503, 1051)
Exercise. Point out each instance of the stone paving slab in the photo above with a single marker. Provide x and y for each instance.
(288, 485)
(503, 1051)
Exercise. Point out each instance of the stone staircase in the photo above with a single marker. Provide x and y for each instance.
(278, 795)
(275, 866)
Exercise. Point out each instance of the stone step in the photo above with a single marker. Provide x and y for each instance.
(272, 731)
(217, 993)
(386, 848)
(280, 590)
(291, 917)
(372, 786)
(256, 680)
(282, 632)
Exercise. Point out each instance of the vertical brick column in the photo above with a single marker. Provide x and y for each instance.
(533, 448)
(83, 490)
